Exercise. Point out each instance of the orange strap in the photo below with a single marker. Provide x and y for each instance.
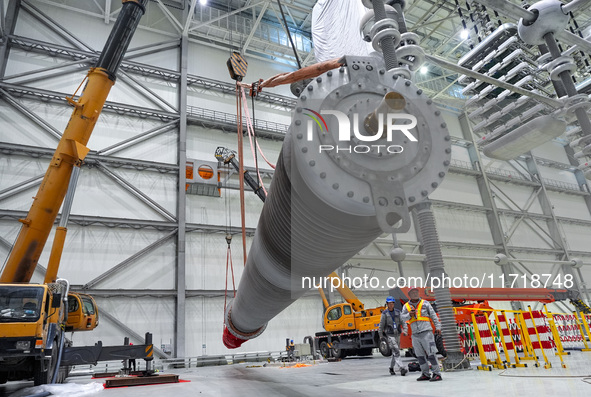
(308, 72)
(241, 169)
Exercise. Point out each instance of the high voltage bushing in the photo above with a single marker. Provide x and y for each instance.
(341, 181)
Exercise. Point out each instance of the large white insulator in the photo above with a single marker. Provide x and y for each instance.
(549, 18)
(364, 145)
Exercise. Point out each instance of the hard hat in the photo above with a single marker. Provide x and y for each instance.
(390, 299)
(292, 340)
(413, 289)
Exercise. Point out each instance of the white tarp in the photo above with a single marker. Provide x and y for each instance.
(335, 29)
(63, 390)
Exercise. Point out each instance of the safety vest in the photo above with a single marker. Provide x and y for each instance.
(419, 311)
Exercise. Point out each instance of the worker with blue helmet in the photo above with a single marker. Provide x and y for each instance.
(291, 350)
(390, 328)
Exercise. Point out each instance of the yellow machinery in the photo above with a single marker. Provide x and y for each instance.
(82, 313)
(35, 317)
(350, 329)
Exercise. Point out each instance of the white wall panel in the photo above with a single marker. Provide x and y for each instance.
(219, 213)
(17, 128)
(577, 236)
(557, 175)
(211, 62)
(552, 150)
(459, 189)
(453, 123)
(17, 169)
(302, 318)
(167, 59)
(514, 197)
(206, 260)
(202, 143)
(98, 195)
(460, 153)
(412, 269)
(462, 226)
(569, 206)
(527, 234)
(92, 250)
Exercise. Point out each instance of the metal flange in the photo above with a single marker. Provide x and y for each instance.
(361, 173)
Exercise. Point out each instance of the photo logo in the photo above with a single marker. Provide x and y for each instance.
(377, 126)
(317, 118)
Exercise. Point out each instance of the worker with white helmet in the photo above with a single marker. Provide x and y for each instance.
(419, 314)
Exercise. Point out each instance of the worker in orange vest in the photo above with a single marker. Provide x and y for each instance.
(419, 314)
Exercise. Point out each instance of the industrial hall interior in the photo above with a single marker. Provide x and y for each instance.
(295, 197)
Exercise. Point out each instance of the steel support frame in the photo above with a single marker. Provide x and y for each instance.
(180, 273)
(129, 260)
(8, 25)
(555, 229)
(494, 220)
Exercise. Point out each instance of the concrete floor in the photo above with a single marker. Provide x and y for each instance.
(350, 377)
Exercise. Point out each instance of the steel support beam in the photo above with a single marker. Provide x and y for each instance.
(83, 220)
(189, 18)
(494, 220)
(20, 187)
(180, 284)
(254, 27)
(80, 62)
(91, 158)
(555, 230)
(55, 27)
(142, 69)
(107, 11)
(135, 85)
(134, 140)
(173, 21)
(156, 293)
(8, 25)
(51, 130)
(236, 11)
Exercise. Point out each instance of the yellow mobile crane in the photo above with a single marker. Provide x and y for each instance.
(35, 317)
(350, 328)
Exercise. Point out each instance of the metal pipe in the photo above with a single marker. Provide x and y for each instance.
(490, 80)
(59, 239)
(575, 5)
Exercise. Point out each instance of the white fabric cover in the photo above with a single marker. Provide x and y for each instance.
(335, 29)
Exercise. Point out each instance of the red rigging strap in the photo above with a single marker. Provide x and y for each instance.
(308, 72)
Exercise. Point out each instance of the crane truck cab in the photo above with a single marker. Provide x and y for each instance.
(82, 313)
(32, 319)
(30, 315)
